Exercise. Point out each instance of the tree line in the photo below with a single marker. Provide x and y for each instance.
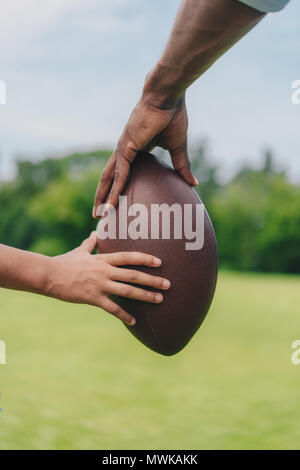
(47, 208)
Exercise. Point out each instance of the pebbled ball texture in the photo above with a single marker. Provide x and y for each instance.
(167, 327)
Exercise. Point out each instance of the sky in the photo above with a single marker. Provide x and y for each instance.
(74, 69)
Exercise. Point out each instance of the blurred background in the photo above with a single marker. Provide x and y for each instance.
(73, 71)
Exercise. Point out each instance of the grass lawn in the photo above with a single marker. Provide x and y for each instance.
(76, 379)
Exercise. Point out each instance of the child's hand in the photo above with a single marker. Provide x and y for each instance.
(79, 276)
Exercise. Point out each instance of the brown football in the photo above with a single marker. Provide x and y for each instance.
(167, 327)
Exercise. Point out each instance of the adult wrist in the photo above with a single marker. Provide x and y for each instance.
(163, 87)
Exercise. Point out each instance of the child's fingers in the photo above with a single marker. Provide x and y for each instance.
(133, 258)
(126, 290)
(117, 311)
(138, 277)
(89, 243)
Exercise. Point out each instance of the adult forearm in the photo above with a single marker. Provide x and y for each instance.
(23, 270)
(202, 32)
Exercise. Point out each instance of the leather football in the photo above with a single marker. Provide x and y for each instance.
(190, 265)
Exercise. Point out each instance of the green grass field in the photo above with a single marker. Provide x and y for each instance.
(76, 379)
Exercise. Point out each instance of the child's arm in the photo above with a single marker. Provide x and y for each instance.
(80, 277)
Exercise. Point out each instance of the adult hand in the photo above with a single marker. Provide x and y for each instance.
(80, 277)
(150, 125)
(202, 32)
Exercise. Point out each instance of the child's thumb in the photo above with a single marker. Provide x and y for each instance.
(89, 243)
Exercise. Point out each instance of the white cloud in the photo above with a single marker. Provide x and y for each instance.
(108, 24)
(22, 21)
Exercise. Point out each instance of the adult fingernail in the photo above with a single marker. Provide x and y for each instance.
(166, 284)
(132, 322)
(158, 298)
(157, 261)
(107, 207)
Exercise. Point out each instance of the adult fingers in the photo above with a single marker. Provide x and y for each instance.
(126, 153)
(182, 164)
(105, 183)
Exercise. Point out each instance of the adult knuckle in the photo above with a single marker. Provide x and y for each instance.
(119, 175)
(185, 166)
(127, 148)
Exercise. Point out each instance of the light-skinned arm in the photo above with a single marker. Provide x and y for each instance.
(81, 277)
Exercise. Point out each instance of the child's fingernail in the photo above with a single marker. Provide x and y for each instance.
(166, 284)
